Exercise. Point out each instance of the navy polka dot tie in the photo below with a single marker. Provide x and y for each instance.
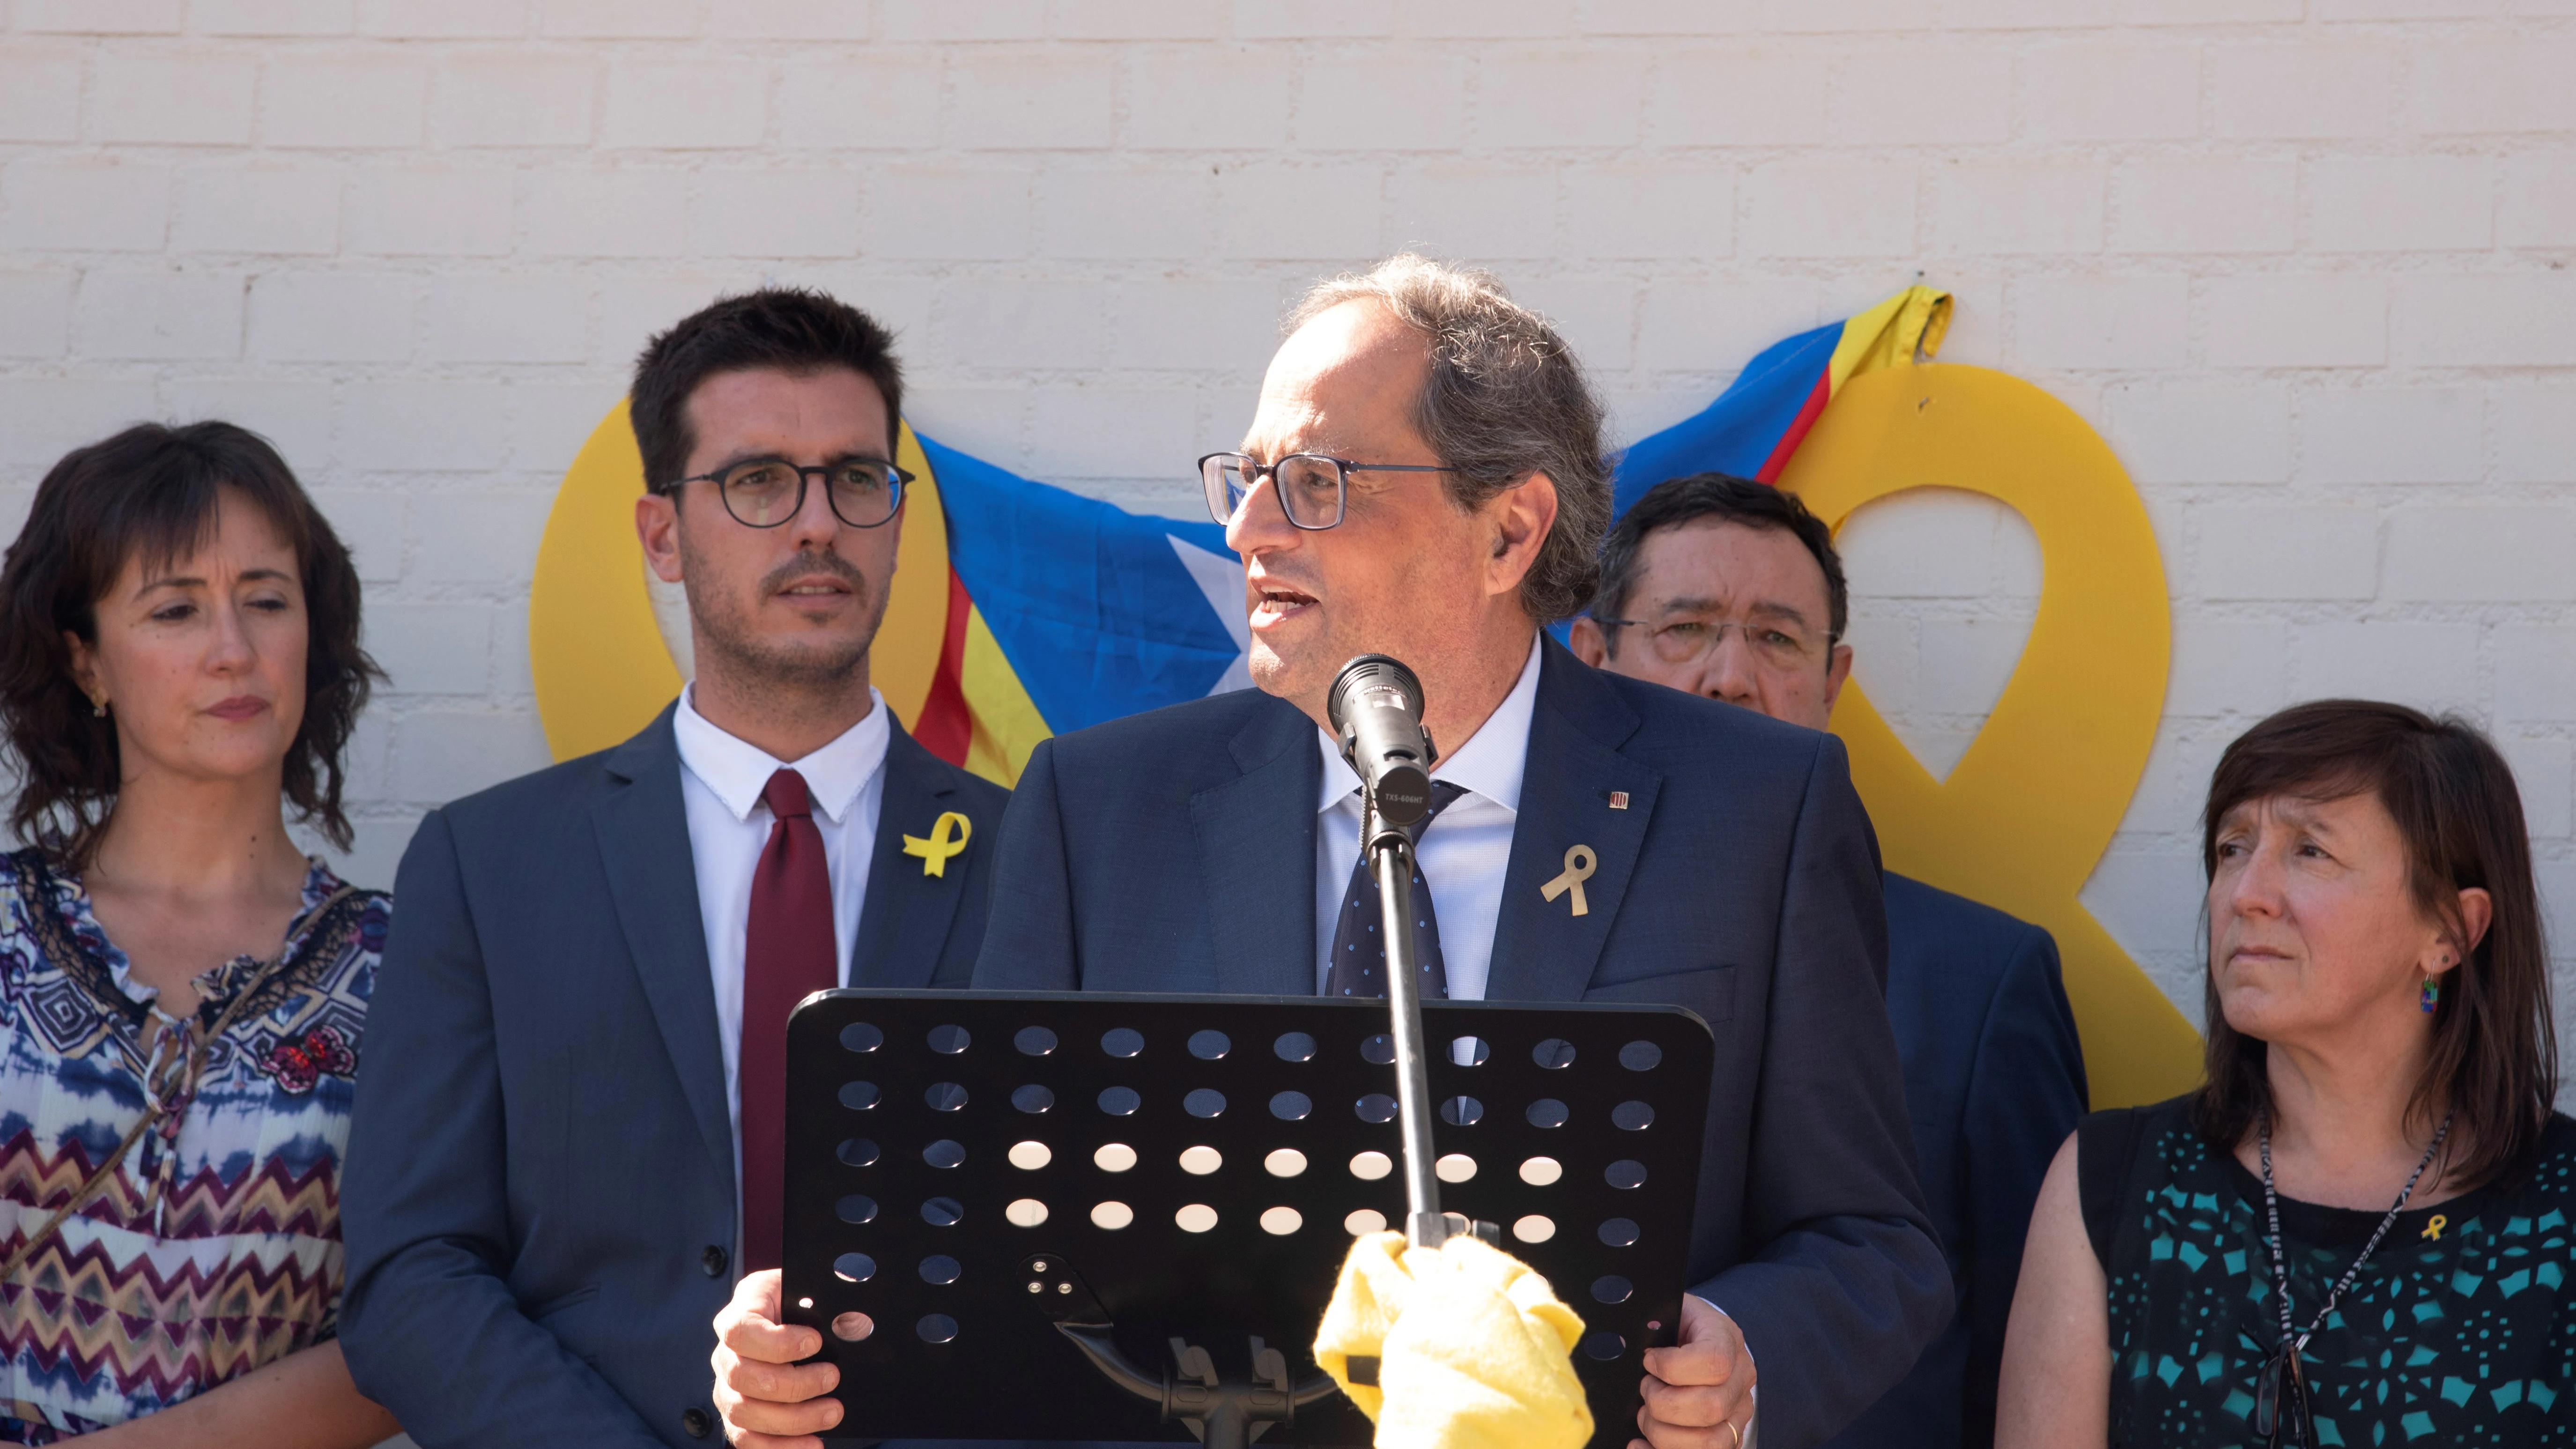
(1359, 942)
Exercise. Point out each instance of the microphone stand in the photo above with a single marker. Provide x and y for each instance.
(1390, 853)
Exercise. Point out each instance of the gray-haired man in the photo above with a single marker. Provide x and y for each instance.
(1423, 479)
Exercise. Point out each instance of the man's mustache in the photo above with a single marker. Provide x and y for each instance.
(807, 565)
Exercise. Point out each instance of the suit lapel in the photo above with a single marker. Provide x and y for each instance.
(1542, 950)
(904, 919)
(643, 833)
(1256, 837)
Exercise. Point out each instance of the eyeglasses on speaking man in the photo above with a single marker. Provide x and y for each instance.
(1313, 488)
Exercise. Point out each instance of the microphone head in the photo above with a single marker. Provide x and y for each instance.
(1372, 671)
(1376, 709)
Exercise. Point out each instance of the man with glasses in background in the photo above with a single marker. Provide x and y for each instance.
(1732, 589)
(571, 1138)
(1423, 478)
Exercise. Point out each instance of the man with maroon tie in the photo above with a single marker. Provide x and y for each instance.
(569, 1141)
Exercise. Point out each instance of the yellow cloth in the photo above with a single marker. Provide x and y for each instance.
(1474, 1350)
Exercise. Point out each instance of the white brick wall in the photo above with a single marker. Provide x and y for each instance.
(2303, 262)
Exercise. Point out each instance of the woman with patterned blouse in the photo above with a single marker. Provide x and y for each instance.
(2358, 1231)
(182, 993)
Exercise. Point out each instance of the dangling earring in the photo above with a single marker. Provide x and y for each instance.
(98, 708)
(2432, 993)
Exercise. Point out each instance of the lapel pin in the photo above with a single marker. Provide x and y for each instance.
(1579, 865)
(948, 836)
(1618, 799)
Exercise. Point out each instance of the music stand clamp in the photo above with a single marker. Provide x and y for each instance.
(1225, 1413)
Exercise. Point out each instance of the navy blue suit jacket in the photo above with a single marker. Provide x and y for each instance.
(1175, 851)
(1994, 1081)
(539, 1201)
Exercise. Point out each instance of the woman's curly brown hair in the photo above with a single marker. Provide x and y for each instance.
(157, 490)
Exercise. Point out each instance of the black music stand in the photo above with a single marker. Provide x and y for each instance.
(997, 1275)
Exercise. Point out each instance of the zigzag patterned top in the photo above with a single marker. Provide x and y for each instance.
(143, 1299)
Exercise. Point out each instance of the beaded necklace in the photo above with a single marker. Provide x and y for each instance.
(2281, 1389)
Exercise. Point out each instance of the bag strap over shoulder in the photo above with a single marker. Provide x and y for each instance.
(60, 948)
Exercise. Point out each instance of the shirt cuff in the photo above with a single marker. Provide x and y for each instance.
(1752, 1421)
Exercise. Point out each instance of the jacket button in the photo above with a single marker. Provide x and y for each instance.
(713, 1260)
(697, 1423)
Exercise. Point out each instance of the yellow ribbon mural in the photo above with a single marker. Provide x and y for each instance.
(2022, 820)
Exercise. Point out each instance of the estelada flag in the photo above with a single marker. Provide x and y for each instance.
(1764, 414)
(1064, 611)
(1092, 612)
(1021, 610)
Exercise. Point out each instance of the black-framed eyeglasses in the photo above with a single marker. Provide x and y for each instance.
(1312, 487)
(766, 492)
(1686, 641)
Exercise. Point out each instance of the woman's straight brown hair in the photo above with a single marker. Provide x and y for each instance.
(155, 491)
(2494, 1058)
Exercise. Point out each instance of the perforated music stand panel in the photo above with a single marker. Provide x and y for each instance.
(1192, 1158)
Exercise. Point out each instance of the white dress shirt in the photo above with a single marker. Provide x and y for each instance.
(721, 779)
(1462, 855)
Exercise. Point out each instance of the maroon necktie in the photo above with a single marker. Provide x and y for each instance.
(787, 954)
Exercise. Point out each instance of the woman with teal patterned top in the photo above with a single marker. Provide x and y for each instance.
(2358, 1231)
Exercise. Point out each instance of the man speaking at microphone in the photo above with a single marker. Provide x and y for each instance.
(1424, 479)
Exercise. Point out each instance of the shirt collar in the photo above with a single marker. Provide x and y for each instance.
(1490, 764)
(738, 771)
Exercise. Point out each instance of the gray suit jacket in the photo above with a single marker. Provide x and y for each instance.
(539, 1199)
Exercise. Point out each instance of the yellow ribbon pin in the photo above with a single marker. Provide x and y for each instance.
(1579, 865)
(2434, 1228)
(935, 851)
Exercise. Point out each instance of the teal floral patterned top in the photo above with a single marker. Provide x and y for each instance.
(2461, 1330)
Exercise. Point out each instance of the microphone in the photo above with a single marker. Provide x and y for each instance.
(1376, 708)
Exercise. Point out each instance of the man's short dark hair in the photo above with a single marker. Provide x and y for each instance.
(1728, 499)
(795, 330)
